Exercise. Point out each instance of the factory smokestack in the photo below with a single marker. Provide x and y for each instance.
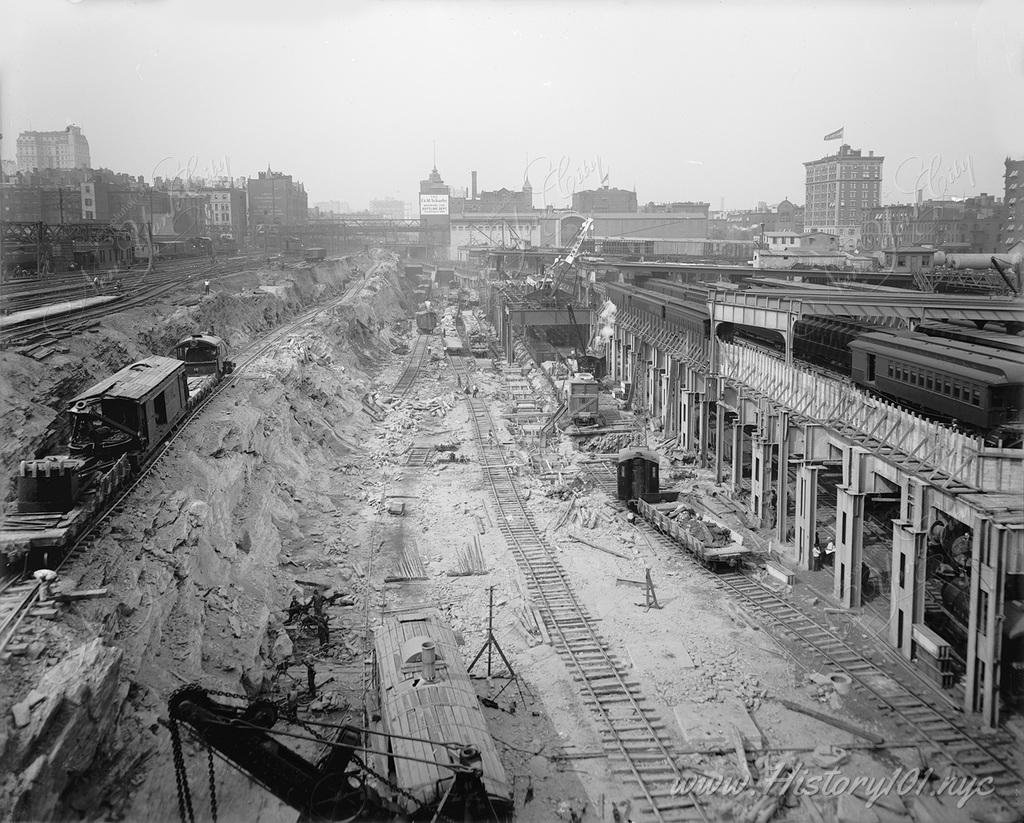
(473, 197)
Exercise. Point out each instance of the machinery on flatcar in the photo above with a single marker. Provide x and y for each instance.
(116, 428)
(129, 412)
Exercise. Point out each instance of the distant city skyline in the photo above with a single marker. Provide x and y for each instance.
(683, 116)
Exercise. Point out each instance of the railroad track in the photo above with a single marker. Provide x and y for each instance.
(929, 722)
(18, 597)
(413, 365)
(639, 748)
(142, 291)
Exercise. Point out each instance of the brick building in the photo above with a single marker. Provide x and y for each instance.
(1012, 229)
(275, 199)
(970, 225)
(840, 188)
(604, 200)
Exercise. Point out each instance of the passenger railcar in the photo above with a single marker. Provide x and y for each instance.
(968, 383)
(431, 718)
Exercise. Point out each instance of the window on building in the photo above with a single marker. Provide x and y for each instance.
(901, 260)
(956, 391)
(975, 397)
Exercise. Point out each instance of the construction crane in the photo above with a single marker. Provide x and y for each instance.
(333, 789)
(585, 362)
(563, 264)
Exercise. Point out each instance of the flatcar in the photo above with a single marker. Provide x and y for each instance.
(709, 541)
(439, 751)
(453, 345)
(975, 385)
(116, 428)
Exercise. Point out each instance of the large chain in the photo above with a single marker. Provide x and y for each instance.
(213, 784)
(181, 776)
(184, 794)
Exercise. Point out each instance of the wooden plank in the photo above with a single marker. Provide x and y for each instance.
(824, 718)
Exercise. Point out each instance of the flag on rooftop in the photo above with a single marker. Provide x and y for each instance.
(835, 135)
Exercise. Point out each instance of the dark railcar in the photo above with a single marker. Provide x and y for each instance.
(203, 354)
(638, 473)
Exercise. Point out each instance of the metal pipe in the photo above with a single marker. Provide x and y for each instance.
(428, 657)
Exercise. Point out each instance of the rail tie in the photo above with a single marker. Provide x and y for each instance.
(632, 734)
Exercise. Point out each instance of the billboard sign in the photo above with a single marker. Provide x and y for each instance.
(433, 204)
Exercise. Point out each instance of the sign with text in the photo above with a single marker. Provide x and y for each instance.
(433, 204)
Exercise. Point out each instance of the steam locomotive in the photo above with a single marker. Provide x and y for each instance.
(116, 429)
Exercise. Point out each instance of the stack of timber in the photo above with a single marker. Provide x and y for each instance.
(934, 656)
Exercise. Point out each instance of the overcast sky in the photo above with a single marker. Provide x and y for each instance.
(696, 101)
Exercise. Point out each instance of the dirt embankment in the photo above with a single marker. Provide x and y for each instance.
(200, 565)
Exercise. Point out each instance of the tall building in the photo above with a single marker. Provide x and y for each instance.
(1012, 231)
(840, 188)
(604, 200)
(66, 149)
(277, 200)
(226, 212)
(435, 213)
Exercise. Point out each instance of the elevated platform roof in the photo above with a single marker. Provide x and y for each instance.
(775, 309)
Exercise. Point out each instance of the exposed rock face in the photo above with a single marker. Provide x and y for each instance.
(61, 724)
(196, 565)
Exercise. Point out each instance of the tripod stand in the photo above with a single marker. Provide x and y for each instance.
(491, 644)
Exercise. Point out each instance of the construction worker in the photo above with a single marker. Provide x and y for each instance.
(475, 390)
(206, 287)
